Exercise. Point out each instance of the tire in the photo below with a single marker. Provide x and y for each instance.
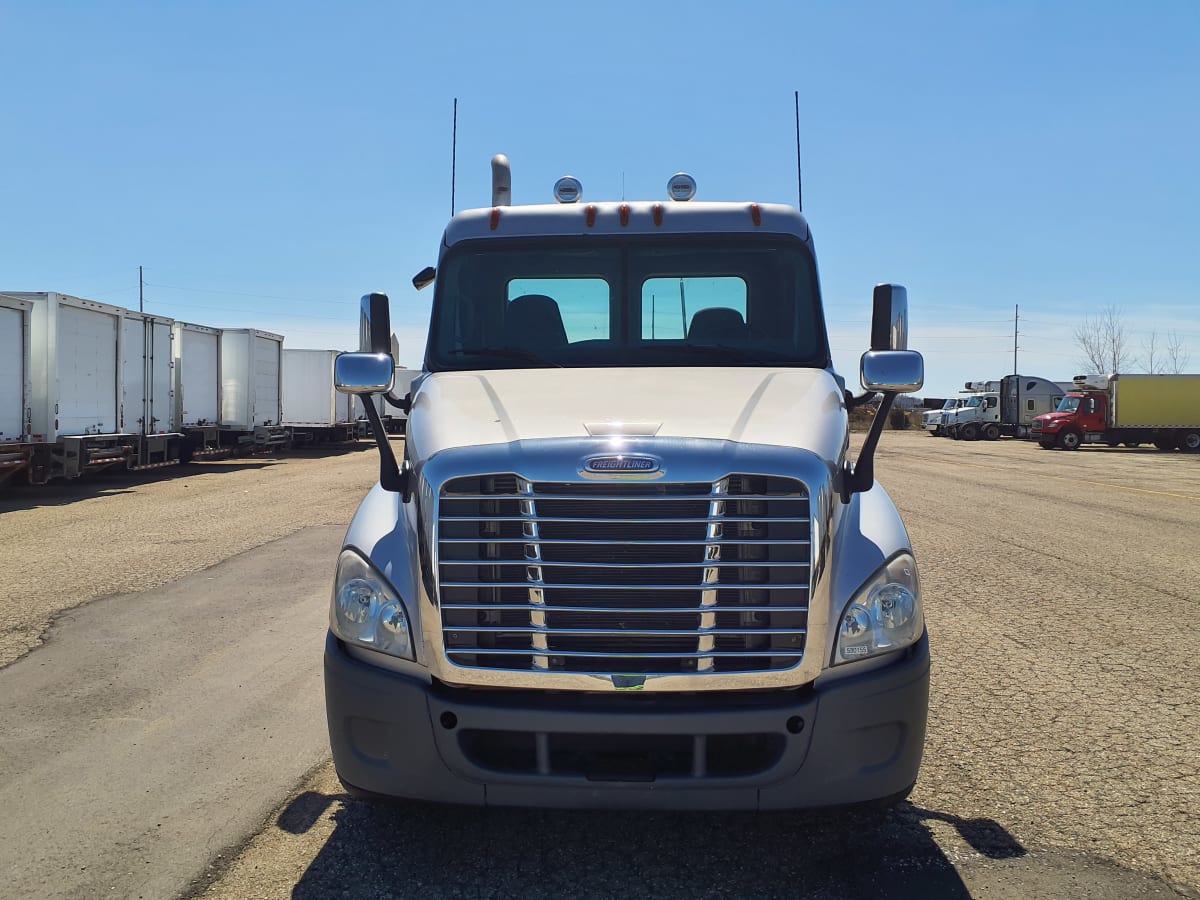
(1133, 443)
(956, 433)
(1046, 445)
(1070, 440)
(1164, 444)
(1113, 443)
(1190, 442)
(970, 432)
(992, 432)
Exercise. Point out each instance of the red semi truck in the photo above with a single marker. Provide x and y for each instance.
(1163, 410)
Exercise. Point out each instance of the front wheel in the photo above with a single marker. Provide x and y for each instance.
(970, 432)
(1069, 440)
(1190, 442)
(992, 432)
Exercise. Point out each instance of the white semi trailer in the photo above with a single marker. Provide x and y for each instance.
(313, 409)
(100, 388)
(251, 366)
(15, 387)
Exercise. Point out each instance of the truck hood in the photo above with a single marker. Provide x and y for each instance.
(783, 407)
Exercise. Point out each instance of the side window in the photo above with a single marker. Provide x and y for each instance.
(709, 308)
(583, 303)
(1029, 405)
(991, 402)
(1090, 405)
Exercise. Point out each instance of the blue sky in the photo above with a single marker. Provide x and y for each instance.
(270, 162)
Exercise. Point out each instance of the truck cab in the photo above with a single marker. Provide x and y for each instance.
(627, 558)
(1081, 416)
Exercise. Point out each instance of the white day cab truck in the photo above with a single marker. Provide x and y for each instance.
(1163, 410)
(627, 559)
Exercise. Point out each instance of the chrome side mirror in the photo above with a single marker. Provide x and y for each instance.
(364, 373)
(892, 371)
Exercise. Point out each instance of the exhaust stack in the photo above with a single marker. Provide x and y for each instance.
(501, 181)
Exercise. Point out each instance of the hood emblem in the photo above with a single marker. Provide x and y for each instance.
(621, 463)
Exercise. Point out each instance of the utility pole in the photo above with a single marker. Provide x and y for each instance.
(141, 292)
(1016, 319)
(1016, 413)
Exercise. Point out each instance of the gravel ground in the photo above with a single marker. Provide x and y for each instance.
(66, 543)
(1063, 754)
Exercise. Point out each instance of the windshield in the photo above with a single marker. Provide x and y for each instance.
(712, 301)
(1068, 404)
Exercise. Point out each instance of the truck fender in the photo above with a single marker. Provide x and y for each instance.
(384, 530)
(869, 532)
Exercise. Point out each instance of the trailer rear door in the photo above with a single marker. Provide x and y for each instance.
(87, 371)
(12, 373)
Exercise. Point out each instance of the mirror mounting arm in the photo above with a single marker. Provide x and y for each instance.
(859, 476)
(853, 402)
(390, 476)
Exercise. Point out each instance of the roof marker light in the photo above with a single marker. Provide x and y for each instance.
(568, 190)
(658, 214)
(624, 212)
(755, 214)
(681, 187)
(494, 219)
(591, 215)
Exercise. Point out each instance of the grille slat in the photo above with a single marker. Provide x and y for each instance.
(621, 578)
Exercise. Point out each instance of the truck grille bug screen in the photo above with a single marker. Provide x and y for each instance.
(616, 578)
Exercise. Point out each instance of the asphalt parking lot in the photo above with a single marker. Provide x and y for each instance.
(1062, 759)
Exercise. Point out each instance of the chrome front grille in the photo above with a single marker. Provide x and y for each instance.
(624, 577)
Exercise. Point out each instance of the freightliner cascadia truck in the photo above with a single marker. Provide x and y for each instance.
(1163, 410)
(628, 557)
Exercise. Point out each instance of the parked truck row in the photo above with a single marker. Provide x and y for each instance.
(86, 385)
(986, 410)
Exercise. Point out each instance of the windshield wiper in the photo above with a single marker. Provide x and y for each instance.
(506, 353)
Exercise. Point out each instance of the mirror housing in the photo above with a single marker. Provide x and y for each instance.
(424, 278)
(375, 325)
(889, 317)
(892, 371)
(363, 373)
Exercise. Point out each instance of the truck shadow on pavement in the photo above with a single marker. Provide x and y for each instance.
(429, 851)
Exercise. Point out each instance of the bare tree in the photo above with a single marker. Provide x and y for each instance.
(1103, 342)
(1152, 361)
(1177, 354)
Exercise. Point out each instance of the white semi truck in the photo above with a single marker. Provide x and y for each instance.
(628, 558)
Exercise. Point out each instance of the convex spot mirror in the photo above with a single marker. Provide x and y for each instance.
(364, 373)
(892, 371)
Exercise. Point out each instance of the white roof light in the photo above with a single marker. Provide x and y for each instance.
(568, 190)
(681, 186)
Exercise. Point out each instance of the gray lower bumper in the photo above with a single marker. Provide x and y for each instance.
(857, 740)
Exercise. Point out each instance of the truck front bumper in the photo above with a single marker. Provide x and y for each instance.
(855, 740)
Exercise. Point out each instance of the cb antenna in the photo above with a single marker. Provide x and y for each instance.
(454, 155)
(799, 181)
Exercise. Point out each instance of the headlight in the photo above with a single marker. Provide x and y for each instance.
(884, 616)
(365, 609)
